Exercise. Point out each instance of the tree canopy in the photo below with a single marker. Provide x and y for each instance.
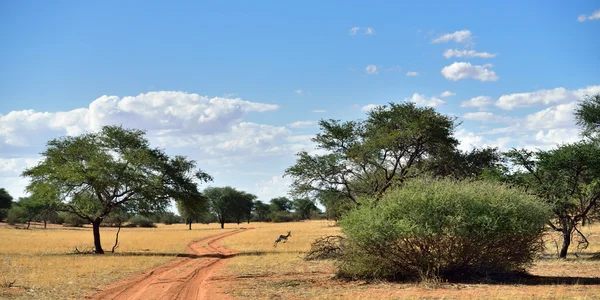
(368, 157)
(230, 204)
(97, 172)
(5, 199)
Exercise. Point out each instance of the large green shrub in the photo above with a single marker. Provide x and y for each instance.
(442, 229)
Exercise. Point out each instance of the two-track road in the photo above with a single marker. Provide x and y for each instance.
(182, 279)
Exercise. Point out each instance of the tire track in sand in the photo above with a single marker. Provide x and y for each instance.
(181, 279)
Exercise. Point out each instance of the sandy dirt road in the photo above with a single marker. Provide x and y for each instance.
(182, 279)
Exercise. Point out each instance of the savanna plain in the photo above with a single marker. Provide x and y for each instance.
(43, 264)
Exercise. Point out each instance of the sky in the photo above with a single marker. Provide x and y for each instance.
(239, 86)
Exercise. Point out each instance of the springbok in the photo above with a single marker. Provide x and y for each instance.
(282, 238)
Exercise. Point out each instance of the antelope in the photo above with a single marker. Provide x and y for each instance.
(282, 238)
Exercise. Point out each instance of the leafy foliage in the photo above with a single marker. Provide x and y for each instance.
(567, 178)
(588, 115)
(442, 228)
(366, 158)
(228, 203)
(98, 172)
(304, 207)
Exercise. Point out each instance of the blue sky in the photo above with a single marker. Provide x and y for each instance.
(260, 74)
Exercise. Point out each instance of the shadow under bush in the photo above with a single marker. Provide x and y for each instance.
(442, 229)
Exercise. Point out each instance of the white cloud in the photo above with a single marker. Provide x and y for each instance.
(480, 102)
(464, 70)
(487, 117)
(319, 110)
(421, 100)
(371, 69)
(466, 53)
(544, 97)
(461, 36)
(299, 92)
(369, 31)
(594, 16)
(447, 94)
(353, 30)
(552, 117)
(369, 107)
(276, 186)
(303, 124)
(412, 74)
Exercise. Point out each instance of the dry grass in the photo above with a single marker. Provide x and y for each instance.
(282, 274)
(40, 260)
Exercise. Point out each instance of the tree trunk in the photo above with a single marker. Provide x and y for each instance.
(567, 229)
(190, 225)
(96, 229)
(44, 223)
(222, 224)
(28, 224)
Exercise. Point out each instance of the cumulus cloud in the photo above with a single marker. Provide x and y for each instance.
(353, 30)
(480, 102)
(303, 124)
(166, 112)
(487, 117)
(421, 100)
(466, 53)
(412, 74)
(461, 36)
(299, 92)
(544, 97)
(371, 69)
(369, 31)
(319, 110)
(447, 94)
(464, 70)
(594, 16)
(369, 107)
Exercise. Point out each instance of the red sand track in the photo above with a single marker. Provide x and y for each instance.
(182, 279)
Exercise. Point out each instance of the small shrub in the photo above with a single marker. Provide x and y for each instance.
(141, 221)
(282, 216)
(442, 229)
(72, 220)
(16, 215)
(60, 218)
(3, 213)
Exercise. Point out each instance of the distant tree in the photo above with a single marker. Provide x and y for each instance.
(229, 203)
(304, 207)
(261, 210)
(191, 210)
(335, 204)
(98, 172)
(5, 198)
(281, 204)
(5, 203)
(366, 158)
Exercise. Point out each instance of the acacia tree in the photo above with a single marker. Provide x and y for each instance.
(229, 203)
(191, 210)
(5, 202)
(304, 207)
(567, 177)
(588, 115)
(261, 210)
(281, 204)
(368, 157)
(96, 173)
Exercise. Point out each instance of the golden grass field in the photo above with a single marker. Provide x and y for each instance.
(40, 262)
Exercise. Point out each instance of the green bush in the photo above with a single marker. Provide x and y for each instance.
(282, 216)
(16, 215)
(3, 213)
(72, 220)
(141, 221)
(442, 229)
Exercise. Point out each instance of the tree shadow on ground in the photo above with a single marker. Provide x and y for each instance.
(188, 255)
(523, 278)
